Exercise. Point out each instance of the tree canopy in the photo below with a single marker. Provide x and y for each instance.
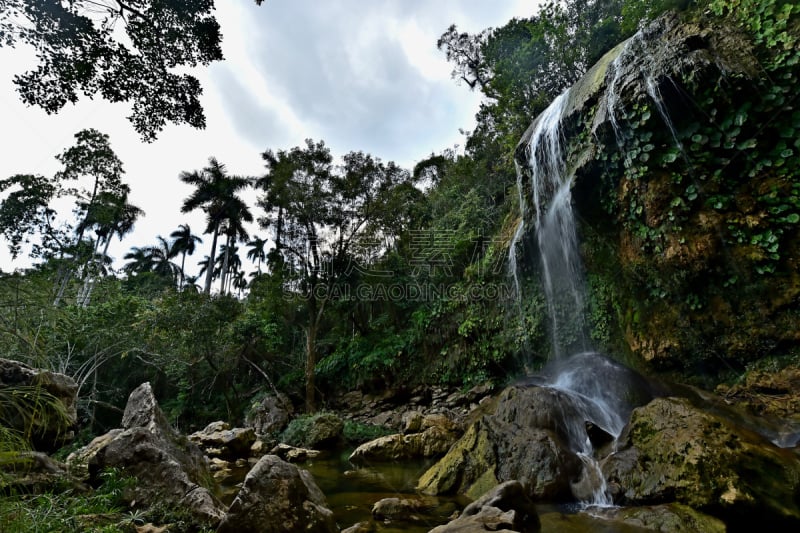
(124, 51)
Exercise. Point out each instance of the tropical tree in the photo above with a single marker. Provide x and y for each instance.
(110, 215)
(257, 251)
(160, 259)
(139, 260)
(185, 243)
(215, 193)
(319, 215)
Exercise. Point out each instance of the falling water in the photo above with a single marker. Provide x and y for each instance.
(513, 268)
(556, 233)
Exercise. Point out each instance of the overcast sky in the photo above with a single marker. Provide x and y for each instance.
(358, 74)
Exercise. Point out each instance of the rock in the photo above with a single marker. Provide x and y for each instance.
(671, 517)
(411, 422)
(258, 448)
(325, 431)
(50, 425)
(433, 442)
(405, 509)
(521, 437)
(672, 451)
(360, 527)
(504, 508)
(293, 454)
(169, 468)
(276, 497)
(28, 472)
(226, 442)
(270, 415)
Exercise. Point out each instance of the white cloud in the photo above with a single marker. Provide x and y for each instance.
(359, 75)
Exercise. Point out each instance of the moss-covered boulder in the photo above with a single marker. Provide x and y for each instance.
(673, 451)
(522, 438)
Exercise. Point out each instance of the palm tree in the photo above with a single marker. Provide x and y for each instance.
(215, 194)
(139, 260)
(257, 251)
(110, 215)
(184, 243)
(160, 256)
(239, 282)
(237, 212)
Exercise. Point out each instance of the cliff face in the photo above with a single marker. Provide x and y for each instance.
(683, 142)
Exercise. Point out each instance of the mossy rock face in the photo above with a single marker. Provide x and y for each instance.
(522, 439)
(672, 451)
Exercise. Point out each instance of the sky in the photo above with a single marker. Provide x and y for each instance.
(359, 74)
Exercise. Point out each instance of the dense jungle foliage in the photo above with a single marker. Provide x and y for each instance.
(368, 275)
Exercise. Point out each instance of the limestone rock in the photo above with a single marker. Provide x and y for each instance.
(49, 428)
(276, 497)
(504, 508)
(170, 469)
(672, 451)
(228, 443)
(325, 431)
(522, 438)
(406, 509)
(294, 454)
(412, 422)
(433, 442)
(270, 415)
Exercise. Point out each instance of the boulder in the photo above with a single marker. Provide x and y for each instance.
(226, 442)
(504, 508)
(276, 497)
(294, 454)
(406, 509)
(522, 436)
(433, 442)
(169, 468)
(326, 430)
(44, 401)
(412, 422)
(28, 472)
(270, 415)
(673, 451)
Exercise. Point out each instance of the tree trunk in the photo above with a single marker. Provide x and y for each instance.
(311, 363)
(183, 276)
(210, 266)
(224, 276)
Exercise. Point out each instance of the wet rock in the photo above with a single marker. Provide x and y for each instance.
(218, 439)
(521, 437)
(293, 454)
(672, 451)
(49, 425)
(504, 508)
(276, 497)
(270, 415)
(169, 468)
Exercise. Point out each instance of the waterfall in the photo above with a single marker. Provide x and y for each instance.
(556, 233)
(513, 269)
